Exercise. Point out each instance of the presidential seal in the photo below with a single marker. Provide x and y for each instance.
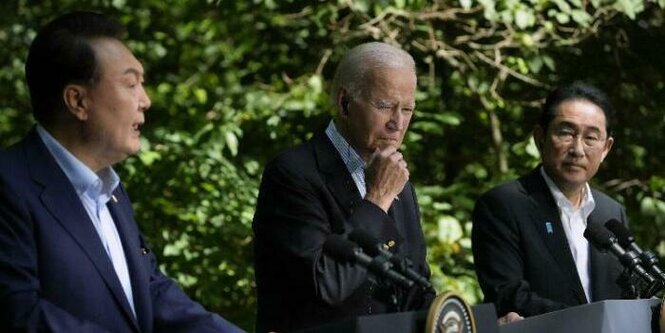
(450, 313)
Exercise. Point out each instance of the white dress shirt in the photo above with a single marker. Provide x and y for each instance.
(574, 222)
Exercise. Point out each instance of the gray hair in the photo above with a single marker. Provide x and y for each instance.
(362, 59)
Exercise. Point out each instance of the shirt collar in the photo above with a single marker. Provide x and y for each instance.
(351, 158)
(588, 203)
(98, 186)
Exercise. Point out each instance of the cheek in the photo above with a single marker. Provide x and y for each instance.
(366, 126)
(552, 155)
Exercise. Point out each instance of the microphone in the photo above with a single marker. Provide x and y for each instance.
(603, 240)
(626, 239)
(374, 247)
(345, 250)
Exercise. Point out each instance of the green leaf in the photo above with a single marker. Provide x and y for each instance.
(232, 142)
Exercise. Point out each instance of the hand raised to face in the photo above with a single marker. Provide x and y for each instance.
(385, 176)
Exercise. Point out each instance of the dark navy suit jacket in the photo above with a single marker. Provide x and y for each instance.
(521, 252)
(55, 275)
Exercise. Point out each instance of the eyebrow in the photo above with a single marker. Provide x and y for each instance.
(388, 102)
(569, 124)
(133, 71)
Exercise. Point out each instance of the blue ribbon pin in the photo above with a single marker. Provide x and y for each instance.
(548, 226)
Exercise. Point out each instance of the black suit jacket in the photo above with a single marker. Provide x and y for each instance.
(525, 268)
(55, 275)
(307, 194)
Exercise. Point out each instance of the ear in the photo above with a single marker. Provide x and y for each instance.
(342, 103)
(608, 146)
(539, 137)
(76, 100)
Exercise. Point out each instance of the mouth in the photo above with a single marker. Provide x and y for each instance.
(392, 140)
(137, 127)
(569, 165)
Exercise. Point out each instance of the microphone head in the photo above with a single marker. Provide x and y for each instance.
(600, 237)
(624, 236)
(367, 242)
(340, 248)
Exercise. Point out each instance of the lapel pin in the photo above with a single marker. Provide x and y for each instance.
(548, 226)
(115, 200)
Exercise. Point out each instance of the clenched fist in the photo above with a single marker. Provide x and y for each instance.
(385, 176)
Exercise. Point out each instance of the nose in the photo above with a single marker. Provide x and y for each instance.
(144, 101)
(396, 122)
(577, 147)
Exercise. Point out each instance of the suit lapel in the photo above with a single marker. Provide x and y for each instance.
(337, 177)
(129, 236)
(397, 212)
(545, 214)
(60, 199)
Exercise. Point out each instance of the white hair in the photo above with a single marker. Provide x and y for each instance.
(362, 59)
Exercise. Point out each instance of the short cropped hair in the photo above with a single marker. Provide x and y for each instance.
(61, 54)
(576, 91)
(361, 60)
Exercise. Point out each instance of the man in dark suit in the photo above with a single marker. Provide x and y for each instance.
(530, 253)
(72, 258)
(351, 176)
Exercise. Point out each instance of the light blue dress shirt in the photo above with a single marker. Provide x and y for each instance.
(354, 163)
(95, 191)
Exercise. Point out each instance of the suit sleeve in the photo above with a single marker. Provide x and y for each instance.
(292, 222)
(175, 312)
(499, 263)
(172, 310)
(21, 307)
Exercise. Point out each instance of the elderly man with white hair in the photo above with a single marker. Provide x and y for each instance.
(350, 176)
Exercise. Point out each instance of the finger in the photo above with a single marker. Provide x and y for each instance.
(388, 151)
(396, 156)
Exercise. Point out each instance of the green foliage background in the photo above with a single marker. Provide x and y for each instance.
(235, 82)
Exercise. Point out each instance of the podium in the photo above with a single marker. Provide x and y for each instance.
(404, 322)
(612, 316)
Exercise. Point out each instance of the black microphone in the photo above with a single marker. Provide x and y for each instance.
(343, 249)
(603, 240)
(374, 247)
(626, 239)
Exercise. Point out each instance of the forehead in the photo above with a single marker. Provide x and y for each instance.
(394, 82)
(114, 58)
(580, 113)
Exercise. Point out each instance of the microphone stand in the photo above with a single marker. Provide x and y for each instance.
(415, 293)
(635, 287)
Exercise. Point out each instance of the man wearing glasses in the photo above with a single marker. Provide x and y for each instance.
(530, 253)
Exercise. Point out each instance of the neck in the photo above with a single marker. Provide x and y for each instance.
(73, 138)
(344, 132)
(575, 196)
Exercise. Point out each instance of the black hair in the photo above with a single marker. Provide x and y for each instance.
(60, 55)
(576, 91)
